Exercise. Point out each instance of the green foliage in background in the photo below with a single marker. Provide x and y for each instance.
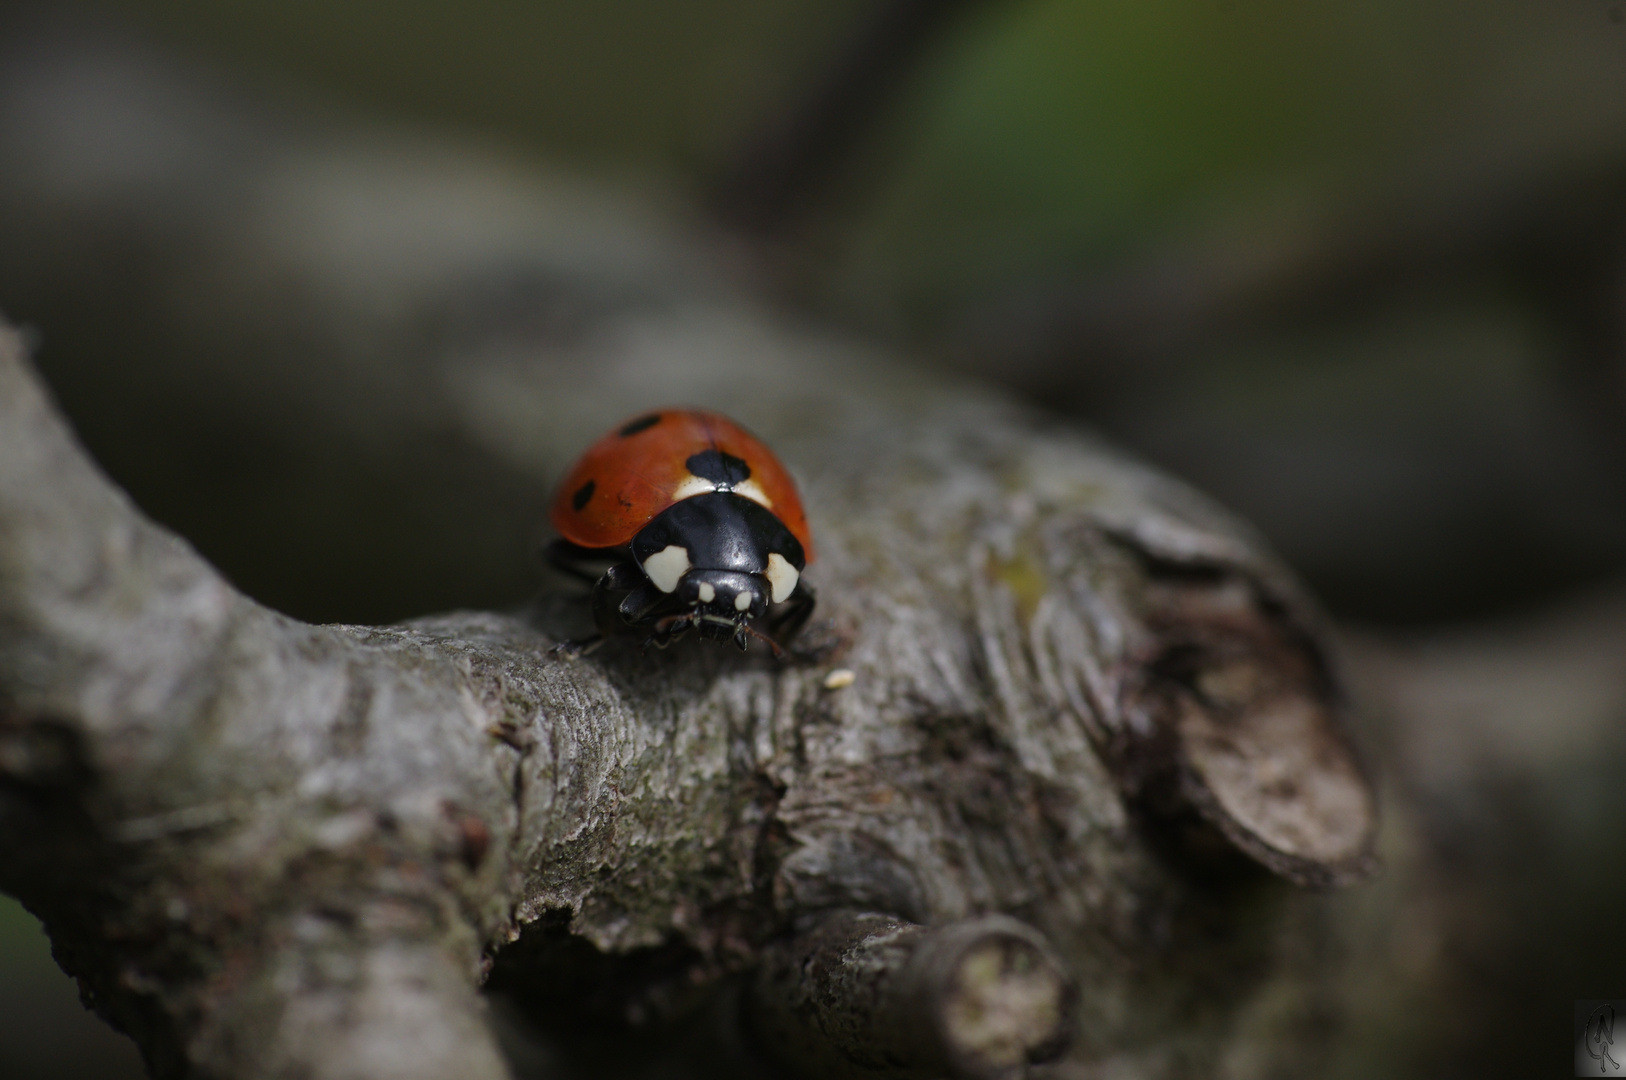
(1059, 134)
(1039, 137)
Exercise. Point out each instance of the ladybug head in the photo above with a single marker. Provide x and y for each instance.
(721, 600)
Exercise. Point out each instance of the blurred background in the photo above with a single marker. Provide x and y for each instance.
(1358, 271)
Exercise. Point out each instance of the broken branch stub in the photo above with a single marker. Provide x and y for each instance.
(866, 994)
(1246, 729)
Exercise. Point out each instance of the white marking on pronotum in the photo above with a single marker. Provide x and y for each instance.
(753, 491)
(667, 566)
(707, 593)
(782, 576)
(692, 485)
(742, 601)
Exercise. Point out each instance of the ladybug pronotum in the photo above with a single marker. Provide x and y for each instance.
(701, 526)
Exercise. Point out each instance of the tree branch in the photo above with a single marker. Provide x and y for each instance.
(1083, 696)
(259, 822)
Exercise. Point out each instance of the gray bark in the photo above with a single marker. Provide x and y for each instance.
(1085, 698)
(269, 847)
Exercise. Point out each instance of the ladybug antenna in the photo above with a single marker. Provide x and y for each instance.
(747, 628)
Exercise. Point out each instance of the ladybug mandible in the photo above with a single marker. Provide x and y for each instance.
(700, 524)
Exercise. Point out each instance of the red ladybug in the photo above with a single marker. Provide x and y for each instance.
(700, 523)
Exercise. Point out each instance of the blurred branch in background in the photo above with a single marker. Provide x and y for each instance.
(1559, 239)
(1510, 740)
(1346, 267)
(1411, 369)
(1505, 436)
(784, 161)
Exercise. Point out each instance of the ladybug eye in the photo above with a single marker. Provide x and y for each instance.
(643, 423)
(583, 493)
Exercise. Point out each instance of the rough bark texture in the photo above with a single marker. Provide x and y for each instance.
(267, 847)
(1084, 697)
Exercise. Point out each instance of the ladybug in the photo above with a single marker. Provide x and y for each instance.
(700, 524)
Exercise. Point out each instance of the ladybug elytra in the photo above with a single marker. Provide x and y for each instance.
(701, 526)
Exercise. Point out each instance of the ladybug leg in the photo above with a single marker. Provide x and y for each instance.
(605, 597)
(581, 563)
(668, 630)
(624, 577)
(615, 592)
(637, 604)
(580, 647)
(619, 597)
(793, 614)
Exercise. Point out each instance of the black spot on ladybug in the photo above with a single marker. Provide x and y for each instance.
(643, 423)
(718, 467)
(583, 493)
